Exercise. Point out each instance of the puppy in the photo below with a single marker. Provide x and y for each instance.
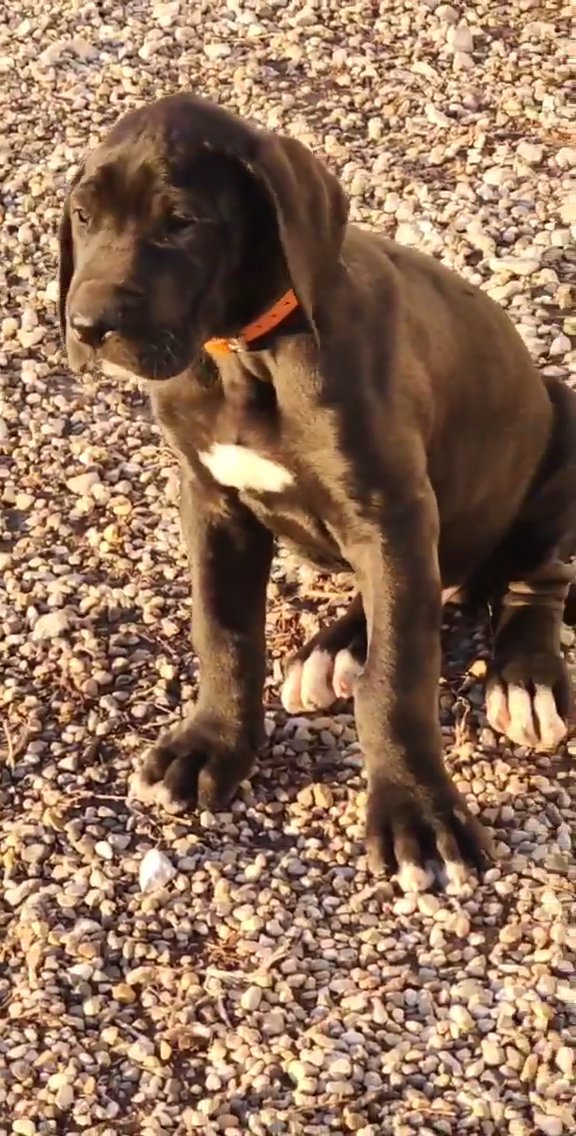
(328, 387)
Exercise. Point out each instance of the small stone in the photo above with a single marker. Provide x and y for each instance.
(565, 1057)
(24, 501)
(428, 904)
(560, 345)
(462, 61)
(50, 626)
(568, 209)
(251, 998)
(517, 265)
(82, 483)
(141, 1049)
(447, 14)
(566, 157)
(530, 152)
(64, 1097)
(217, 50)
(408, 233)
(340, 1067)
(155, 870)
(548, 1125)
(104, 850)
(460, 38)
(492, 1053)
(323, 796)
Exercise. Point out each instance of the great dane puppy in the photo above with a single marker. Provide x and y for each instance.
(328, 387)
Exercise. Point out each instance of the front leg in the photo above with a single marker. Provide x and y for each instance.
(203, 759)
(416, 817)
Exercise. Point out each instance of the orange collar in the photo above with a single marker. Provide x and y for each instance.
(265, 323)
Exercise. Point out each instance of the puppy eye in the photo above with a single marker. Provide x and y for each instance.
(178, 222)
(81, 216)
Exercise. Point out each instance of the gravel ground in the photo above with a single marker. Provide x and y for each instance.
(271, 986)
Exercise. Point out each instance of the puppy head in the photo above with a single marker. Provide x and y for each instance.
(184, 224)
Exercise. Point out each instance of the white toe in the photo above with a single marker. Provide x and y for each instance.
(497, 710)
(456, 876)
(552, 728)
(346, 671)
(521, 729)
(411, 877)
(140, 790)
(316, 686)
(290, 694)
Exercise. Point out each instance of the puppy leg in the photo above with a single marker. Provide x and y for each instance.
(326, 668)
(416, 817)
(528, 692)
(203, 759)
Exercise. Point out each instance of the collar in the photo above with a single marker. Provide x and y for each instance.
(261, 326)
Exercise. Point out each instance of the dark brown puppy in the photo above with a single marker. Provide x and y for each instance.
(391, 423)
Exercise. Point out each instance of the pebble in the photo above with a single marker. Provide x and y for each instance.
(460, 38)
(51, 625)
(548, 1125)
(251, 998)
(82, 483)
(217, 50)
(530, 152)
(518, 266)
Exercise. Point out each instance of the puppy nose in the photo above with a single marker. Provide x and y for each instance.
(93, 329)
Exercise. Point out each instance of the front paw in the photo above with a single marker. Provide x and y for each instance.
(423, 832)
(197, 762)
(528, 699)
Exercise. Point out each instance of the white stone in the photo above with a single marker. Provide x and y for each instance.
(530, 152)
(460, 38)
(51, 625)
(64, 1098)
(408, 233)
(495, 175)
(155, 870)
(566, 156)
(517, 265)
(437, 116)
(251, 998)
(560, 345)
(447, 13)
(82, 483)
(463, 61)
(492, 1052)
(568, 209)
(548, 1125)
(565, 1060)
(217, 50)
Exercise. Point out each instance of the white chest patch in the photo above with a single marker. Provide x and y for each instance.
(240, 468)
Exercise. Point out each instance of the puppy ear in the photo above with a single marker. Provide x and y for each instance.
(66, 255)
(311, 210)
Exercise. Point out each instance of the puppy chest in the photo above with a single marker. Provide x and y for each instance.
(242, 467)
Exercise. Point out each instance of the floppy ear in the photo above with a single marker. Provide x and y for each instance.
(311, 210)
(66, 255)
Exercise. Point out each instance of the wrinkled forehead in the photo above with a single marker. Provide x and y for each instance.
(125, 181)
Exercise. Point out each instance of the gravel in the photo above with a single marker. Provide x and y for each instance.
(244, 973)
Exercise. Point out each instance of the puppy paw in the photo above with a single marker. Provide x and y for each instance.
(315, 680)
(528, 700)
(424, 835)
(193, 764)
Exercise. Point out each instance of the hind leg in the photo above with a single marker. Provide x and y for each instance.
(528, 692)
